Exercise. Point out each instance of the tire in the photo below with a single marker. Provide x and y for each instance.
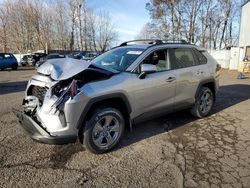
(204, 103)
(104, 130)
(14, 67)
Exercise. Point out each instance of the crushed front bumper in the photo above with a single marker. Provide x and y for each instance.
(38, 133)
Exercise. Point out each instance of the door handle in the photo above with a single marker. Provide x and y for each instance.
(170, 79)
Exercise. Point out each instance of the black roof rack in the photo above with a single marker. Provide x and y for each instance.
(154, 42)
(145, 41)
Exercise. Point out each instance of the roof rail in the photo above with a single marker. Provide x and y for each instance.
(148, 41)
(155, 42)
(174, 42)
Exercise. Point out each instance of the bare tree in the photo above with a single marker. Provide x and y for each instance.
(62, 26)
(228, 6)
(3, 25)
(106, 33)
(209, 23)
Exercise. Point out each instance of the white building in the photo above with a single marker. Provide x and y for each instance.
(244, 40)
(233, 59)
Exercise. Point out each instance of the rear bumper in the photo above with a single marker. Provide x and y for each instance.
(39, 134)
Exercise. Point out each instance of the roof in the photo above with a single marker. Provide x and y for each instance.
(247, 1)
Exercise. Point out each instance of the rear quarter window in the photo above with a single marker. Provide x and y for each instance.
(200, 58)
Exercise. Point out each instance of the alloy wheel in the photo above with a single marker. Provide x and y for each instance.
(106, 131)
(206, 102)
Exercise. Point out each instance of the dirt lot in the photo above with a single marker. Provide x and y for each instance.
(173, 151)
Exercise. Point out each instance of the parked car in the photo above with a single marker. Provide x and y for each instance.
(37, 57)
(77, 55)
(8, 60)
(90, 56)
(50, 56)
(26, 60)
(94, 102)
(87, 56)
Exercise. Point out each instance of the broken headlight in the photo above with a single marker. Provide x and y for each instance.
(64, 92)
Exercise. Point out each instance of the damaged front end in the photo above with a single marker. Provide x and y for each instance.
(54, 100)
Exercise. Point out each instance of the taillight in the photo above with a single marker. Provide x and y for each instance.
(73, 88)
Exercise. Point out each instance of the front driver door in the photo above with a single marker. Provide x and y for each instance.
(154, 95)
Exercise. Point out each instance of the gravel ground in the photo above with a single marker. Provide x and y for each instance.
(173, 151)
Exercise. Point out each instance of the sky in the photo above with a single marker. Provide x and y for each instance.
(128, 16)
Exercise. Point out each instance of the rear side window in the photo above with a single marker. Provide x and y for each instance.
(186, 57)
(182, 58)
(201, 59)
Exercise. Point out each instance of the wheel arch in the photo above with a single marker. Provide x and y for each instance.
(210, 83)
(116, 100)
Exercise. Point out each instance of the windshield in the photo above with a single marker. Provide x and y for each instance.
(118, 59)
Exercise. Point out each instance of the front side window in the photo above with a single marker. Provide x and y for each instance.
(118, 59)
(159, 59)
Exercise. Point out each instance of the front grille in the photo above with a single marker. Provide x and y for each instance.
(38, 92)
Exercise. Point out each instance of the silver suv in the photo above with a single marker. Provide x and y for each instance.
(69, 100)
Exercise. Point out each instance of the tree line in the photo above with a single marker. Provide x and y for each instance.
(29, 25)
(212, 24)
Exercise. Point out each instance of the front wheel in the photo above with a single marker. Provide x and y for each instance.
(204, 103)
(104, 130)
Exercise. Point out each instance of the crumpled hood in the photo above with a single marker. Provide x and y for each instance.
(63, 68)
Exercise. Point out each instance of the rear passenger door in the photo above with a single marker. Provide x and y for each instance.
(189, 71)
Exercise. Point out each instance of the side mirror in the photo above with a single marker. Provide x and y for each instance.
(147, 69)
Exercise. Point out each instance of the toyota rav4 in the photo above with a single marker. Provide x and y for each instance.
(68, 100)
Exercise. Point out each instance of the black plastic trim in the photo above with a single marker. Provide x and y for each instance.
(99, 99)
(38, 133)
(212, 80)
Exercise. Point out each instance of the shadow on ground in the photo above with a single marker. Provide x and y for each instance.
(12, 87)
(18, 69)
(228, 96)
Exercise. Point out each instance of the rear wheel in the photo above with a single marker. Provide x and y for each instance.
(203, 103)
(104, 130)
